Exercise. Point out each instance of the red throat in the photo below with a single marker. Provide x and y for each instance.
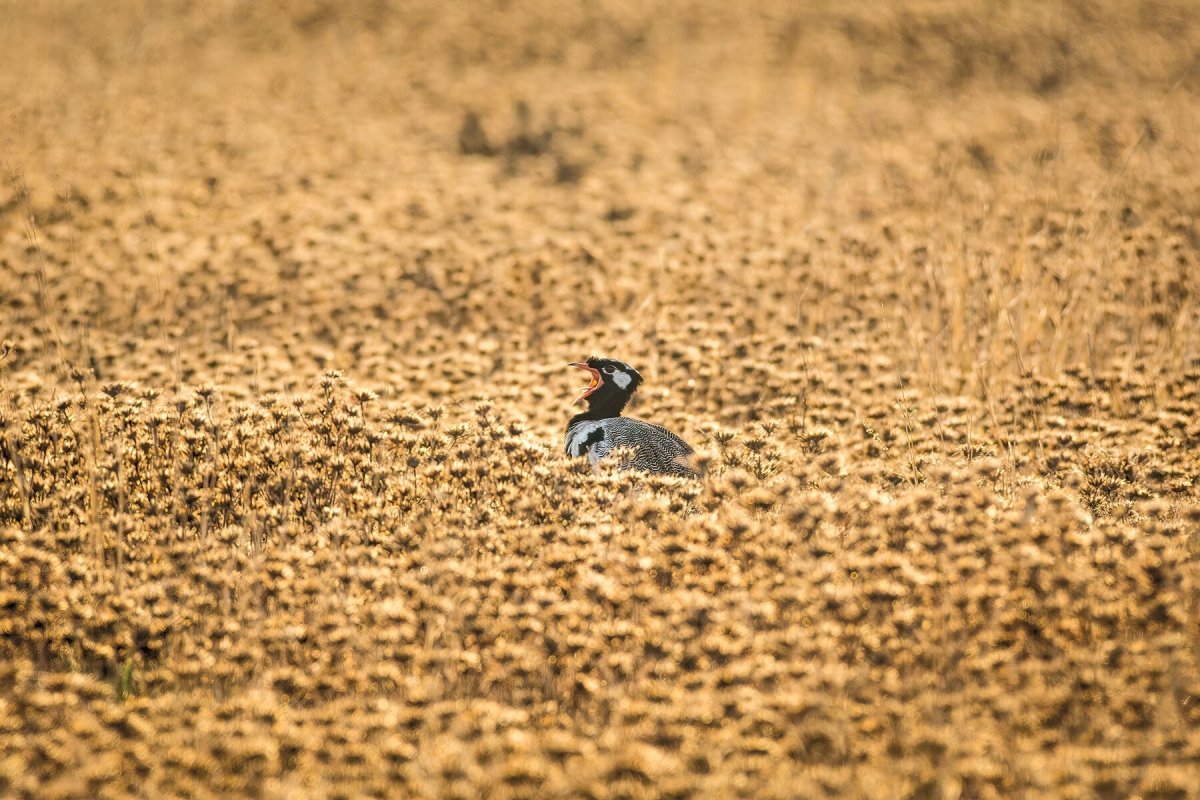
(593, 386)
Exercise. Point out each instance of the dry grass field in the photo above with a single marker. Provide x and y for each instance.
(287, 294)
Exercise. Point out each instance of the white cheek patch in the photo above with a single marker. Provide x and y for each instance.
(621, 379)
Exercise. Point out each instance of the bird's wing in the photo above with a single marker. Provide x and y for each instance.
(658, 449)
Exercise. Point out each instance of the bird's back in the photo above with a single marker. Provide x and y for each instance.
(654, 448)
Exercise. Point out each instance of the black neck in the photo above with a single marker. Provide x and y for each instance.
(601, 408)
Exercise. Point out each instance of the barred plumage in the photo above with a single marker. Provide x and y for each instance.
(654, 448)
(601, 429)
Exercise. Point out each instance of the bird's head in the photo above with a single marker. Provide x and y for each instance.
(613, 383)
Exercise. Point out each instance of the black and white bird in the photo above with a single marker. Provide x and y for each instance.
(601, 428)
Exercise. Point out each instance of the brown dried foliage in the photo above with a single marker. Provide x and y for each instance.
(286, 296)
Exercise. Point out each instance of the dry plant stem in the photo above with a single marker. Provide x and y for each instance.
(12, 455)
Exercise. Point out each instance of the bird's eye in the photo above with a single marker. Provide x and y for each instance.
(609, 370)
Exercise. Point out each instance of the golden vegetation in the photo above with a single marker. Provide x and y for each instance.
(287, 293)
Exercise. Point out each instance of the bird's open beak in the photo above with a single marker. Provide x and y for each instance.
(593, 386)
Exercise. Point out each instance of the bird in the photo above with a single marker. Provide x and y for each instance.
(595, 432)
